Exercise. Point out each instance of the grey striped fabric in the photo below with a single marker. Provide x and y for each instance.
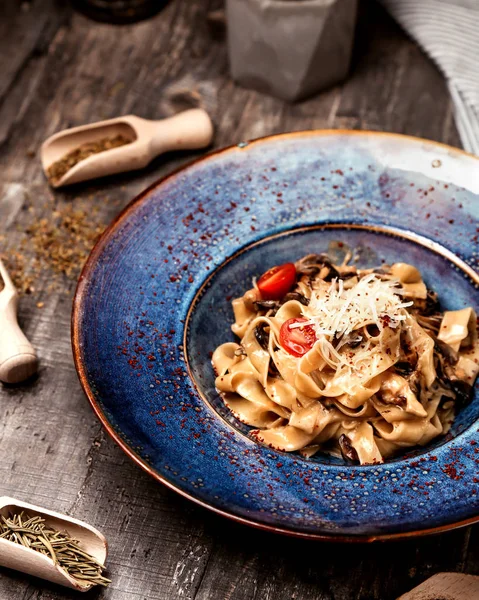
(448, 30)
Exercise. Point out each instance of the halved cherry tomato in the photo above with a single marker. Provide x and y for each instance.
(277, 282)
(297, 340)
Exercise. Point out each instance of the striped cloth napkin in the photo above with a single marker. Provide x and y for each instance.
(448, 31)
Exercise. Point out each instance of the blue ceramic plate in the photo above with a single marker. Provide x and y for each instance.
(154, 301)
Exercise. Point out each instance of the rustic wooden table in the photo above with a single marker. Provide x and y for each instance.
(59, 69)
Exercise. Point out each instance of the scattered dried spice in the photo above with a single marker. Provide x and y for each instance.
(60, 167)
(63, 242)
(54, 247)
(66, 552)
(17, 266)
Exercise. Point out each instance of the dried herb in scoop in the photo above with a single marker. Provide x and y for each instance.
(58, 169)
(34, 533)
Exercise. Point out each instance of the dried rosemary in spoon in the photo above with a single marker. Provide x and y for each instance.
(32, 532)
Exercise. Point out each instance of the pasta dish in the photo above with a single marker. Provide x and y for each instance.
(358, 363)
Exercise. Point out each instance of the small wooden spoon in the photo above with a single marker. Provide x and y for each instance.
(18, 557)
(18, 360)
(188, 130)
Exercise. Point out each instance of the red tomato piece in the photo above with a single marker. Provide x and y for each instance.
(276, 283)
(297, 340)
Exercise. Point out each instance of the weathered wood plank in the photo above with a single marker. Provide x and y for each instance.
(52, 449)
(26, 31)
(448, 586)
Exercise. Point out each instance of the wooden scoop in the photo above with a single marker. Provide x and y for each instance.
(185, 131)
(18, 360)
(18, 557)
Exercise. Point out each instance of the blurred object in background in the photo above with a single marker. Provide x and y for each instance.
(448, 30)
(290, 49)
(119, 12)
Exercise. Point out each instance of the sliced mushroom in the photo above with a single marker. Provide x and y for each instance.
(250, 297)
(448, 377)
(266, 305)
(463, 392)
(446, 351)
(403, 368)
(313, 265)
(430, 323)
(405, 273)
(262, 336)
(352, 340)
(273, 369)
(347, 450)
(296, 296)
(432, 303)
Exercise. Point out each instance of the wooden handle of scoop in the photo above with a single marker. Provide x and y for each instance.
(18, 359)
(187, 130)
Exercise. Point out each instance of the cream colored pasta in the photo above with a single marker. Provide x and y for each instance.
(381, 368)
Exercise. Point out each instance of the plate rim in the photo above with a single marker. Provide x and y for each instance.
(79, 366)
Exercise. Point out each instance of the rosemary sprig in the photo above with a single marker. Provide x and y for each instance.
(32, 532)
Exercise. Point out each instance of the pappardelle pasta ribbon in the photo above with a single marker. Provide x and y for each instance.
(356, 363)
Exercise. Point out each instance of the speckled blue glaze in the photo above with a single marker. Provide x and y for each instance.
(253, 206)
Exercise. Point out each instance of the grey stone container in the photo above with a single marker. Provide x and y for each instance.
(290, 49)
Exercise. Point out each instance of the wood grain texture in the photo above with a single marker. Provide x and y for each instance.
(58, 69)
(445, 586)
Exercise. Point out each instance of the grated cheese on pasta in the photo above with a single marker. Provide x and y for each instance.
(337, 311)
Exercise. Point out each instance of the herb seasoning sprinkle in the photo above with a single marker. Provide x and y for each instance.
(34, 533)
(60, 167)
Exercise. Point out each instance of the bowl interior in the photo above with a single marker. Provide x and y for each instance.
(211, 315)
